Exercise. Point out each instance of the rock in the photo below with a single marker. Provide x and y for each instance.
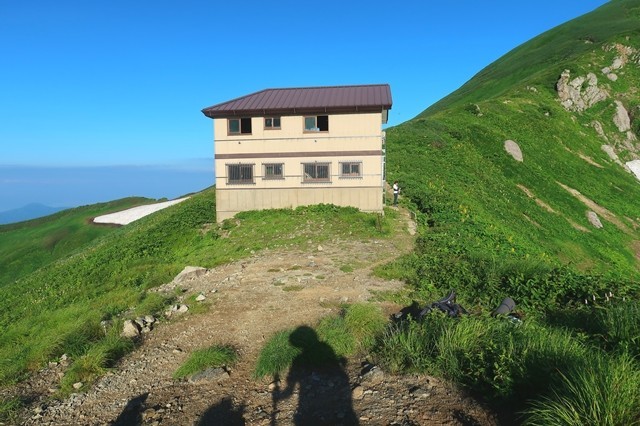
(599, 130)
(77, 385)
(613, 77)
(514, 150)
(274, 385)
(419, 393)
(188, 273)
(621, 118)
(210, 374)
(372, 375)
(320, 248)
(130, 329)
(573, 94)
(200, 297)
(634, 166)
(357, 393)
(594, 220)
(150, 319)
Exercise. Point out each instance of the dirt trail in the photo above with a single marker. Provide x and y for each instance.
(249, 301)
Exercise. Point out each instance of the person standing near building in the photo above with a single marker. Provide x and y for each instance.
(396, 191)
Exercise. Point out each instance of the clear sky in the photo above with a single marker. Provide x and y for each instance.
(115, 82)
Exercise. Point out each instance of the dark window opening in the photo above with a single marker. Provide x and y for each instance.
(240, 125)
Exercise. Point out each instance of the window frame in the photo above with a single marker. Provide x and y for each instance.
(232, 181)
(240, 126)
(273, 123)
(316, 128)
(350, 175)
(316, 165)
(266, 176)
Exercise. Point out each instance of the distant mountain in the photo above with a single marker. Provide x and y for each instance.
(30, 211)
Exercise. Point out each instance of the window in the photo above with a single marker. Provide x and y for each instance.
(316, 172)
(239, 126)
(271, 123)
(316, 123)
(273, 171)
(351, 169)
(239, 173)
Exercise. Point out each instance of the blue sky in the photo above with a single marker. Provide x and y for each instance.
(103, 83)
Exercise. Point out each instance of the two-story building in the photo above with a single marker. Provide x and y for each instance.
(283, 148)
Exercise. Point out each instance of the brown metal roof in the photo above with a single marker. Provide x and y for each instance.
(364, 98)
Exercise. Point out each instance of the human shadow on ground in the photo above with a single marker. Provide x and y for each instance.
(224, 413)
(132, 412)
(324, 393)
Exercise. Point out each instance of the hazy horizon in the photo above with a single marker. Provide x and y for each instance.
(73, 186)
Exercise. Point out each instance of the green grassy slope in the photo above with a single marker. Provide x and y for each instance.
(58, 308)
(452, 162)
(27, 246)
(547, 53)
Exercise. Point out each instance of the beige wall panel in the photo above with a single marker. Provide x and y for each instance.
(230, 202)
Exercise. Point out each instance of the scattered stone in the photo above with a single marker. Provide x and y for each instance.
(189, 273)
(210, 374)
(320, 248)
(201, 297)
(77, 385)
(358, 392)
(621, 118)
(372, 374)
(594, 219)
(634, 166)
(613, 77)
(130, 329)
(274, 385)
(514, 150)
(418, 392)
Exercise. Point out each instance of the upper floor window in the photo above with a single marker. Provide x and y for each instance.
(271, 123)
(351, 169)
(239, 173)
(316, 123)
(239, 126)
(316, 172)
(273, 171)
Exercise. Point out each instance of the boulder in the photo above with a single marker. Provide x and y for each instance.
(210, 374)
(130, 329)
(514, 150)
(594, 219)
(188, 273)
(621, 118)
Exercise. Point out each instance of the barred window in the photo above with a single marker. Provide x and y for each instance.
(316, 172)
(273, 171)
(239, 173)
(351, 169)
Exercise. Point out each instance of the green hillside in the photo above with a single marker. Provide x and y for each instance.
(489, 226)
(27, 246)
(58, 308)
(486, 208)
(540, 58)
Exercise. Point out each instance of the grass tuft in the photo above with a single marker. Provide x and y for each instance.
(211, 357)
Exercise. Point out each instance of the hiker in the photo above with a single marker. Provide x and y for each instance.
(396, 191)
